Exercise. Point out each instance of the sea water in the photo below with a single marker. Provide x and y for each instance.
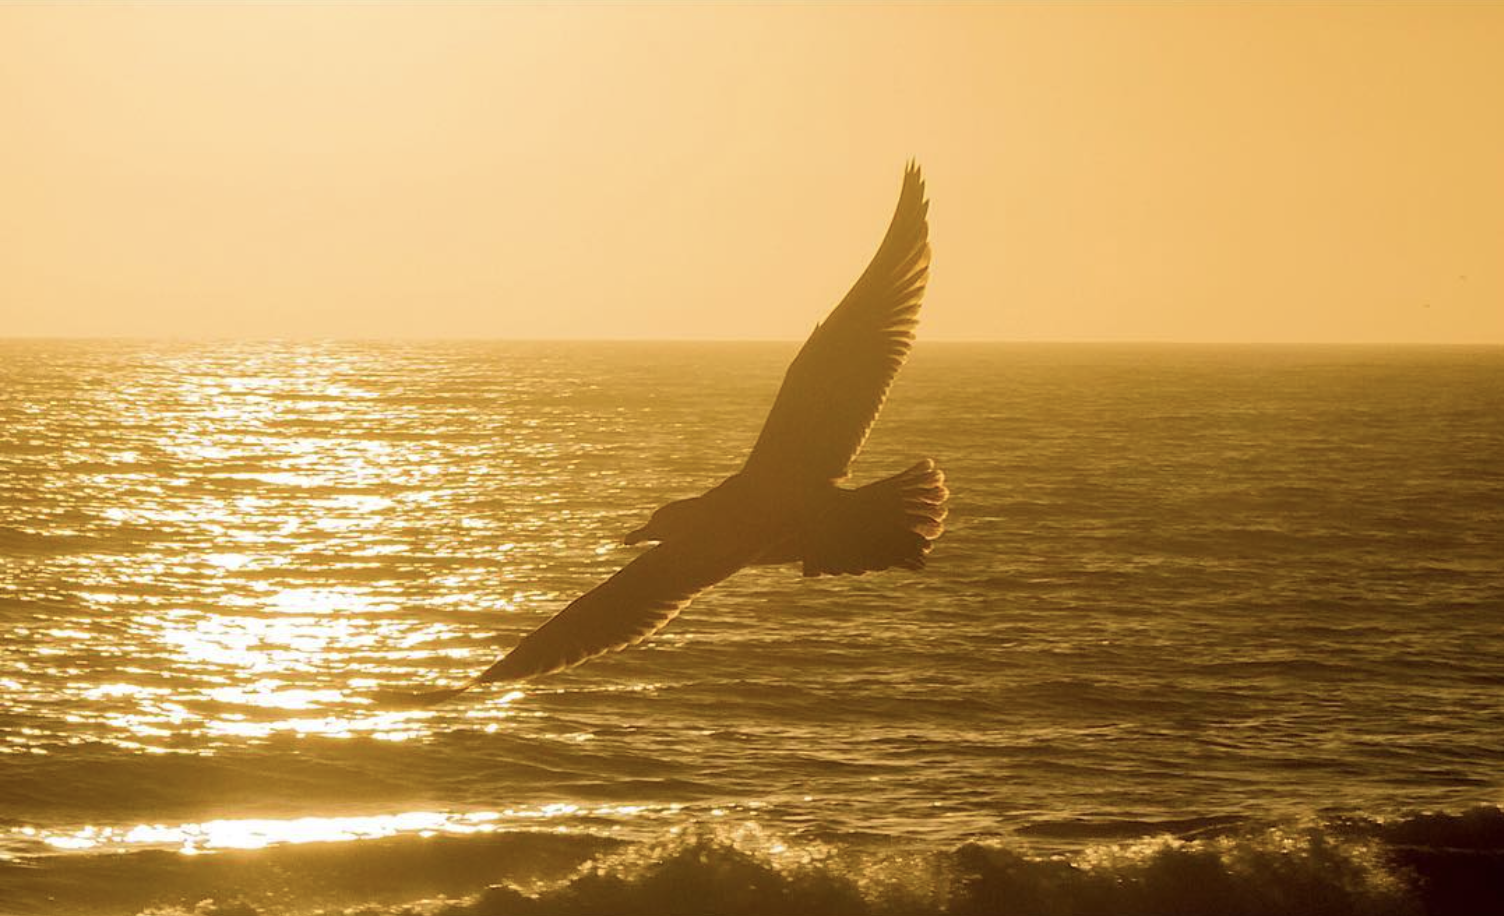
(1212, 629)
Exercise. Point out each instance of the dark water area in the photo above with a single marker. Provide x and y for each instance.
(1212, 629)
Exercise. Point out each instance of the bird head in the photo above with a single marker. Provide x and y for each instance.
(669, 521)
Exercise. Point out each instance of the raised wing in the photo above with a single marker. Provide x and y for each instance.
(624, 610)
(836, 385)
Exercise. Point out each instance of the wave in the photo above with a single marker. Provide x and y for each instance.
(1421, 865)
(1431, 864)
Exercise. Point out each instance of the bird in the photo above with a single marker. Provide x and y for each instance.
(786, 505)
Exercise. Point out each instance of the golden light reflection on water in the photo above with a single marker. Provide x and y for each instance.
(391, 726)
(274, 671)
(254, 549)
(258, 833)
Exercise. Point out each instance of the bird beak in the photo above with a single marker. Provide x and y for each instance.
(636, 537)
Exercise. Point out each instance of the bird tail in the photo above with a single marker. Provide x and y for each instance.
(889, 523)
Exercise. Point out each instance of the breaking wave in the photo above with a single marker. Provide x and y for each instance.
(1421, 865)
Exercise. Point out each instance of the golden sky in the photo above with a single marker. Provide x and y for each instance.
(1098, 171)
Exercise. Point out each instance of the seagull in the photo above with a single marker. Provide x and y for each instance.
(786, 504)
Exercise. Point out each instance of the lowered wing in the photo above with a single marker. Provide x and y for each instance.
(624, 610)
(835, 387)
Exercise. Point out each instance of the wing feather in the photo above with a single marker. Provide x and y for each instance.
(624, 610)
(835, 387)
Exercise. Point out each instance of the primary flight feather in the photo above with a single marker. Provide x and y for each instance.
(785, 505)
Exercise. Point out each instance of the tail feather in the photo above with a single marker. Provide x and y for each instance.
(889, 523)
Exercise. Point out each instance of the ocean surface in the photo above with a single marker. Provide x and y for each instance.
(1211, 630)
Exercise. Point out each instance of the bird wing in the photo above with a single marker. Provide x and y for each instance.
(624, 610)
(836, 385)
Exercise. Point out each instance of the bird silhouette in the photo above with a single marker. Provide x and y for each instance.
(785, 505)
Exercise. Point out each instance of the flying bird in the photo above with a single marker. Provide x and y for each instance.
(786, 504)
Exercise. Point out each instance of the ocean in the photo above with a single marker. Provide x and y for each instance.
(1211, 630)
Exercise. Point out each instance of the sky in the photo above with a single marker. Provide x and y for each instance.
(1251, 172)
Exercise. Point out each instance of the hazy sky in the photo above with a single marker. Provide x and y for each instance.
(1108, 171)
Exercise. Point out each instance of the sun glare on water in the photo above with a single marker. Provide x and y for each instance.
(257, 833)
(276, 540)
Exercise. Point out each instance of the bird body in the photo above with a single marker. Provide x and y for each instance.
(808, 522)
(786, 505)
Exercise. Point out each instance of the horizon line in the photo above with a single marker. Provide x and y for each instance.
(1080, 341)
